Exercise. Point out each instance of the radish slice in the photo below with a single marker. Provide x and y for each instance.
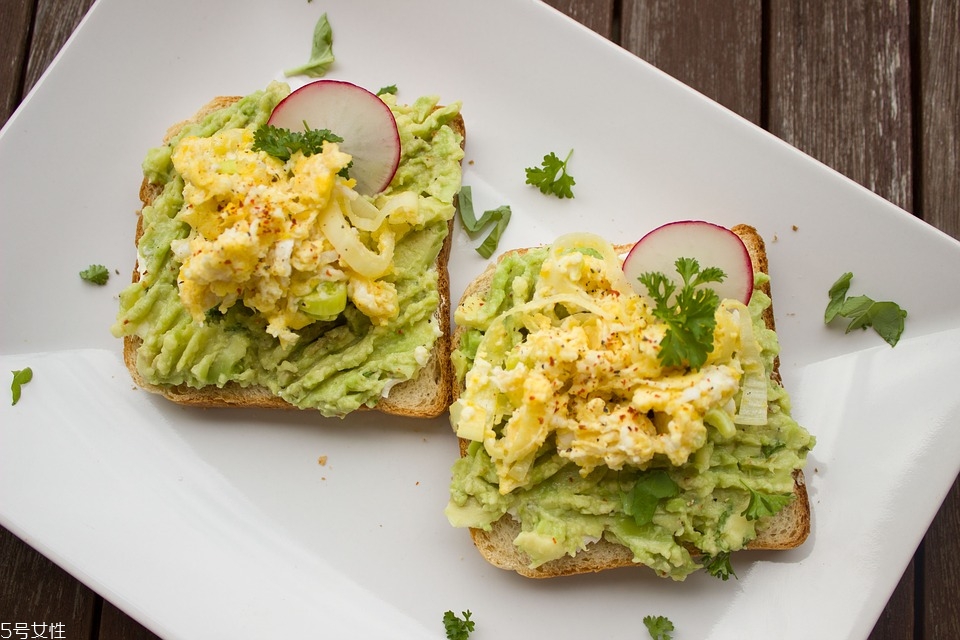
(710, 244)
(365, 123)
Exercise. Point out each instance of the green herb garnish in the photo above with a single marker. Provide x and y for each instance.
(96, 273)
(641, 501)
(690, 317)
(321, 55)
(763, 504)
(551, 177)
(282, 143)
(500, 217)
(886, 318)
(719, 566)
(20, 378)
(458, 628)
(659, 627)
(391, 88)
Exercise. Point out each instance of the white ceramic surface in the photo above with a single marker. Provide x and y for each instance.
(223, 524)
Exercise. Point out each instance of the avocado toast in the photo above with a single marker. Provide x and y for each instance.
(531, 509)
(341, 362)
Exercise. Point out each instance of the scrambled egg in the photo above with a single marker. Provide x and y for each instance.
(578, 363)
(290, 240)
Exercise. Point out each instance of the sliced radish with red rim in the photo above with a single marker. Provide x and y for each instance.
(361, 118)
(710, 244)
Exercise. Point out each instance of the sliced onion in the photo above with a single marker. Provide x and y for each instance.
(361, 212)
(754, 385)
(346, 240)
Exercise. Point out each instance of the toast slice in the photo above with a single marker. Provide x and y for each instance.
(425, 396)
(788, 529)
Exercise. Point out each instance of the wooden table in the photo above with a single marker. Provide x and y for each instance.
(870, 88)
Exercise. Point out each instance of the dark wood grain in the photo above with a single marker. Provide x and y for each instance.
(55, 21)
(34, 589)
(16, 18)
(937, 49)
(938, 52)
(598, 15)
(714, 47)
(941, 572)
(839, 89)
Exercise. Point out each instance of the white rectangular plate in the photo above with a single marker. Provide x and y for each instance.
(225, 524)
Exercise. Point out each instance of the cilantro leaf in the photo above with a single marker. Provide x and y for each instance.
(282, 143)
(390, 88)
(641, 501)
(500, 217)
(764, 504)
(96, 273)
(458, 628)
(690, 318)
(20, 378)
(886, 317)
(719, 566)
(321, 54)
(551, 177)
(659, 627)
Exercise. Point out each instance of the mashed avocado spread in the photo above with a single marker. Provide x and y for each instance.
(670, 472)
(318, 331)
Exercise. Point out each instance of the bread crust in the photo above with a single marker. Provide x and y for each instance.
(427, 395)
(788, 529)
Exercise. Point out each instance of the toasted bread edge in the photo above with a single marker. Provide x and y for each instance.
(788, 529)
(425, 396)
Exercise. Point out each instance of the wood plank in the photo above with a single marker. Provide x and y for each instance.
(939, 53)
(839, 89)
(938, 26)
(714, 47)
(597, 15)
(54, 595)
(16, 17)
(941, 571)
(55, 21)
(116, 625)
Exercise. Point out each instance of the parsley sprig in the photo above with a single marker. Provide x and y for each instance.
(552, 177)
(719, 566)
(641, 501)
(96, 273)
(763, 504)
(659, 627)
(885, 317)
(282, 143)
(458, 628)
(690, 316)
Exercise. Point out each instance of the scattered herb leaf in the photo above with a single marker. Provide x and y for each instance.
(500, 217)
(886, 318)
(690, 317)
(763, 504)
(458, 628)
(551, 177)
(641, 501)
(282, 143)
(659, 627)
(719, 566)
(20, 378)
(96, 273)
(392, 88)
(321, 55)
